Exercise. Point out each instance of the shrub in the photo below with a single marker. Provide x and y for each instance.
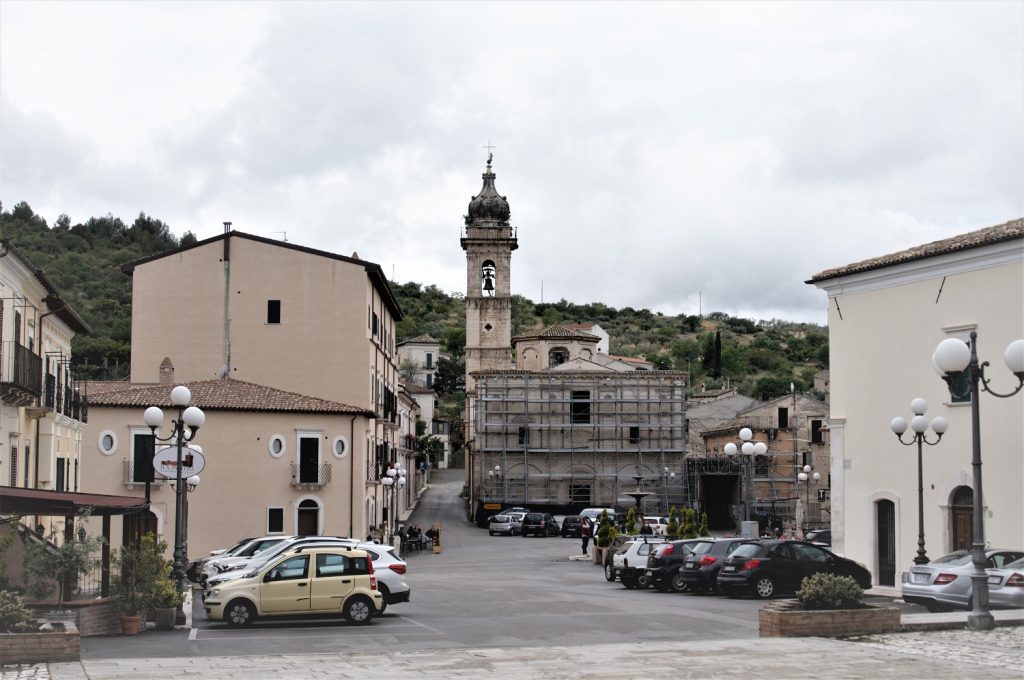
(672, 530)
(604, 537)
(829, 591)
(15, 617)
(631, 520)
(703, 529)
(689, 526)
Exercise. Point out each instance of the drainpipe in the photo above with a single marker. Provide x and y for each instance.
(225, 370)
(351, 476)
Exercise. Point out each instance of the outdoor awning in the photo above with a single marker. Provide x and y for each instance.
(16, 501)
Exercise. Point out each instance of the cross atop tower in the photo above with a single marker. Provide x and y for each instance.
(489, 148)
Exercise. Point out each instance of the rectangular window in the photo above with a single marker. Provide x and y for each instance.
(59, 483)
(523, 436)
(783, 417)
(817, 436)
(634, 434)
(430, 360)
(28, 458)
(375, 324)
(580, 408)
(142, 457)
(580, 493)
(14, 464)
(960, 387)
(430, 379)
(275, 520)
(273, 311)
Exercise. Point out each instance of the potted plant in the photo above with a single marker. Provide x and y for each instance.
(827, 605)
(140, 582)
(166, 599)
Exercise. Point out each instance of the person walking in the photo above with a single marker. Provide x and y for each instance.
(586, 530)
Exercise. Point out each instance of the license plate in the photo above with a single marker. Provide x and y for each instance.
(728, 568)
(918, 578)
(994, 580)
(649, 573)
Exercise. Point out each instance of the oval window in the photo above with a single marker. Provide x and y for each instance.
(107, 442)
(276, 446)
(340, 447)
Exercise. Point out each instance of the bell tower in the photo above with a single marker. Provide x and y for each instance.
(488, 241)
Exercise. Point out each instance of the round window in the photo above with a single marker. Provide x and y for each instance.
(340, 447)
(276, 446)
(107, 442)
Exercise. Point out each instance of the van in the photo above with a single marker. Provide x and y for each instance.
(594, 514)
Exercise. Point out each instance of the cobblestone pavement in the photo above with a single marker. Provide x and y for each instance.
(936, 655)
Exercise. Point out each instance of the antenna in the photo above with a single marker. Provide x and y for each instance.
(284, 235)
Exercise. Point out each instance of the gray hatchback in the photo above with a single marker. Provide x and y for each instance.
(945, 584)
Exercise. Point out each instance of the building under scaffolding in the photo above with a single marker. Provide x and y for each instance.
(566, 440)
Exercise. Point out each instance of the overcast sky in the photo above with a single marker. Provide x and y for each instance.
(652, 154)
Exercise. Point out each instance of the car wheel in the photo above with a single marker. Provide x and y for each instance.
(764, 587)
(643, 581)
(359, 610)
(678, 584)
(609, 572)
(239, 613)
(385, 594)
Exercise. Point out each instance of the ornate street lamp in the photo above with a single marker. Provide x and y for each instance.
(495, 476)
(920, 426)
(183, 430)
(805, 476)
(393, 481)
(667, 477)
(748, 449)
(953, 356)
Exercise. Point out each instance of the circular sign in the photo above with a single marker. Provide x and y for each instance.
(165, 462)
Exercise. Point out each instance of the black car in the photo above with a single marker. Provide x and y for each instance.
(700, 567)
(571, 526)
(820, 536)
(665, 561)
(766, 568)
(539, 524)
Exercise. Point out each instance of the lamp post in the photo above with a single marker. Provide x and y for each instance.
(748, 449)
(667, 476)
(191, 484)
(920, 426)
(495, 476)
(953, 356)
(183, 430)
(805, 476)
(394, 480)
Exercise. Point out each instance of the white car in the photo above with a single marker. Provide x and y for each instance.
(658, 524)
(217, 565)
(630, 561)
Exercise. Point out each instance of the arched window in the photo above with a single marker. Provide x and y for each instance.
(558, 355)
(487, 278)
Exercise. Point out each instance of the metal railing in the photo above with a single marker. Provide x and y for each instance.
(311, 475)
(21, 367)
(130, 478)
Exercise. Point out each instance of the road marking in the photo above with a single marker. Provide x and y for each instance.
(192, 634)
(432, 630)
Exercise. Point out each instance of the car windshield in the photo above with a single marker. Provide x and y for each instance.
(535, 517)
(501, 519)
(746, 550)
(958, 558)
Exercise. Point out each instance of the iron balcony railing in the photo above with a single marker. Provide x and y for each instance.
(21, 368)
(311, 474)
(131, 476)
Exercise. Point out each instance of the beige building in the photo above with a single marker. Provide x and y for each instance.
(42, 413)
(886, 316)
(421, 354)
(277, 462)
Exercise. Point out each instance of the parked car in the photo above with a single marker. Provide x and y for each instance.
(820, 536)
(766, 568)
(1006, 586)
(630, 561)
(571, 526)
(539, 524)
(664, 563)
(314, 581)
(657, 524)
(522, 511)
(945, 584)
(699, 571)
(594, 514)
(609, 566)
(504, 525)
(389, 569)
(194, 570)
(217, 565)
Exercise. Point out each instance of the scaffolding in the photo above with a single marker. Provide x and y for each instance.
(573, 439)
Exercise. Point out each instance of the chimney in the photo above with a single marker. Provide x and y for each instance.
(166, 372)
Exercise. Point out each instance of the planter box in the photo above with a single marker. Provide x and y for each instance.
(92, 617)
(788, 619)
(16, 648)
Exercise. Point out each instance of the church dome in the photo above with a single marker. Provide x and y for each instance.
(488, 206)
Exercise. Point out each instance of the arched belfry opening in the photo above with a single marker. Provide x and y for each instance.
(488, 278)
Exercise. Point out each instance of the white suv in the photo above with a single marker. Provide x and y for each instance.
(630, 561)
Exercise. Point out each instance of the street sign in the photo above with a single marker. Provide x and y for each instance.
(165, 462)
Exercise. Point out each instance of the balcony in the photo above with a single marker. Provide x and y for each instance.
(310, 475)
(132, 478)
(20, 374)
(61, 394)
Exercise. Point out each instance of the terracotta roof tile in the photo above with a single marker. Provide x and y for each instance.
(557, 331)
(1014, 229)
(421, 338)
(216, 395)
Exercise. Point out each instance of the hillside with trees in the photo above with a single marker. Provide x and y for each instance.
(760, 358)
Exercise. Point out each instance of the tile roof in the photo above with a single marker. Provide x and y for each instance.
(216, 395)
(557, 331)
(421, 338)
(1014, 229)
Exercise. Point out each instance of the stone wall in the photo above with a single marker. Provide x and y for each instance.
(92, 617)
(787, 619)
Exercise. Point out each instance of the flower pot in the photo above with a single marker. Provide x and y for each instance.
(131, 625)
(164, 617)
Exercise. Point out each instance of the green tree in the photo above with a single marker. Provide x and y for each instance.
(689, 527)
(703, 529)
(672, 529)
(631, 520)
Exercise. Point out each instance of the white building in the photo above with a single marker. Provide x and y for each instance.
(886, 316)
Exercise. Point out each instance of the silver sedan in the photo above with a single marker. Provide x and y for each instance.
(509, 524)
(945, 584)
(1006, 586)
